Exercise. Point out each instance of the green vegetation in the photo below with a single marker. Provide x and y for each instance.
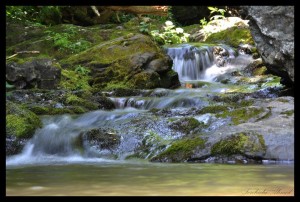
(241, 143)
(72, 99)
(214, 109)
(71, 80)
(288, 112)
(36, 15)
(241, 115)
(20, 122)
(82, 70)
(180, 150)
(66, 41)
(233, 36)
(186, 125)
(170, 35)
(203, 21)
(260, 71)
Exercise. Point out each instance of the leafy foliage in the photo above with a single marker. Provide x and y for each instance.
(203, 21)
(144, 27)
(82, 70)
(64, 42)
(170, 35)
(34, 14)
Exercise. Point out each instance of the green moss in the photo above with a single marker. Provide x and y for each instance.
(213, 109)
(288, 112)
(77, 109)
(43, 110)
(272, 82)
(180, 150)
(233, 36)
(245, 103)
(191, 28)
(71, 80)
(230, 146)
(241, 143)
(20, 121)
(241, 115)
(40, 110)
(260, 71)
(112, 51)
(261, 142)
(186, 125)
(145, 80)
(72, 99)
(267, 115)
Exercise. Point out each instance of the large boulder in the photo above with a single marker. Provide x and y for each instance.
(133, 61)
(39, 73)
(21, 124)
(272, 28)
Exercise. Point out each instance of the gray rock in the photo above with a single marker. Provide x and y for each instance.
(140, 60)
(272, 28)
(160, 65)
(39, 73)
(277, 128)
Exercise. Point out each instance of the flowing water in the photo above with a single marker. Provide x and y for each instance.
(58, 160)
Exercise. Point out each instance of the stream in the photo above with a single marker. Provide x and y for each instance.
(60, 159)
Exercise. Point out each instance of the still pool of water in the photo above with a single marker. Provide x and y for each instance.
(135, 178)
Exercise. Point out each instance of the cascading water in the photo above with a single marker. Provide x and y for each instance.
(205, 62)
(190, 62)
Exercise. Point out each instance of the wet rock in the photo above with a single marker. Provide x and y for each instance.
(160, 65)
(104, 102)
(102, 138)
(39, 73)
(272, 28)
(21, 124)
(14, 145)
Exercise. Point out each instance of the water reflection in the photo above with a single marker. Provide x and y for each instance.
(151, 179)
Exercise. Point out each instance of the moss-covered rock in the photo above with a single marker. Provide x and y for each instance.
(180, 150)
(214, 109)
(241, 115)
(20, 122)
(104, 102)
(233, 36)
(125, 62)
(102, 138)
(249, 144)
(146, 80)
(74, 100)
(185, 125)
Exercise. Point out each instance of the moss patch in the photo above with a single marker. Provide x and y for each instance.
(72, 99)
(241, 143)
(288, 112)
(233, 36)
(214, 109)
(20, 122)
(180, 150)
(43, 110)
(145, 80)
(260, 71)
(185, 125)
(71, 80)
(241, 115)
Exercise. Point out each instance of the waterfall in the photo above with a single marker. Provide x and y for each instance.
(192, 63)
